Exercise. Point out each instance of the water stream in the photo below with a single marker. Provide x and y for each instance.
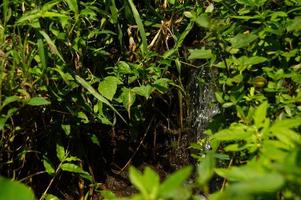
(203, 106)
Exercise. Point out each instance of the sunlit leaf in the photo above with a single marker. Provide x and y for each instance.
(144, 90)
(60, 152)
(173, 181)
(136, 179)
(205, 169)
(48, 166)
(200, 54)
(11, 190)
(72, 5)
(70, 167)
(87, 86)
(242, 40)
(260, 114)
(38, 101)
(108, 86)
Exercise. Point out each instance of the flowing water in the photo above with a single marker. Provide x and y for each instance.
(203, 106)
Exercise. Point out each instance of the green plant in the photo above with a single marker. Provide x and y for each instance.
(14, 190)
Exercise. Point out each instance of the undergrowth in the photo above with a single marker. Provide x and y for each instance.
(79, 78)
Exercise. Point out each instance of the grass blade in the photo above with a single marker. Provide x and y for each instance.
(140, 26)
(52, 45)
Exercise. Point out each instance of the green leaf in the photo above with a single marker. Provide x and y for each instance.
(70, 167)
(143, 90)
(108, 195)
(260, 114)
(200, 54)
(38, 101)
(242, 40)
(173, 181)
(219, 97)
(52, 46)
(66, 128)
(48, 166)
(202, 21)
(9, 100)
(206, 169)
(42, 54)
(12, 190)
(235, 132)
(136, 179)
(108, 86)
(72, 5)
(162, 84)
(286, 124)
(88, 87)
(51, 197)
(60, 152)
(151, 182)
(270, 182)
(127, 98)
(172, 1)
(294, 24)
(140, 26)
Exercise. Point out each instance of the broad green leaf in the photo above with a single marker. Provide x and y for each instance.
(242, 40)
(202, 21)
(172, 1)
(250, 61)
(52, 45)
(12, 190)
(48, 166)
(205, 169)
(210, 8)
(51, 197)
(143, 90)
(29, 16)
(84, 118)
(162, 84)
(50, 4)
(60, 152)
(66, 128)
(294, 24)
(270, 182)
(286, 124)
(108, 86)
(98, 96)
(235, 132)
(127, 98)
(108, 195)
(151, 182)
(72, 5)
(200, 54)
(136, 179)
(38, 101)
(243, 173)
(260, 114)
(219, 97)
(70, 167)
(173, 181)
